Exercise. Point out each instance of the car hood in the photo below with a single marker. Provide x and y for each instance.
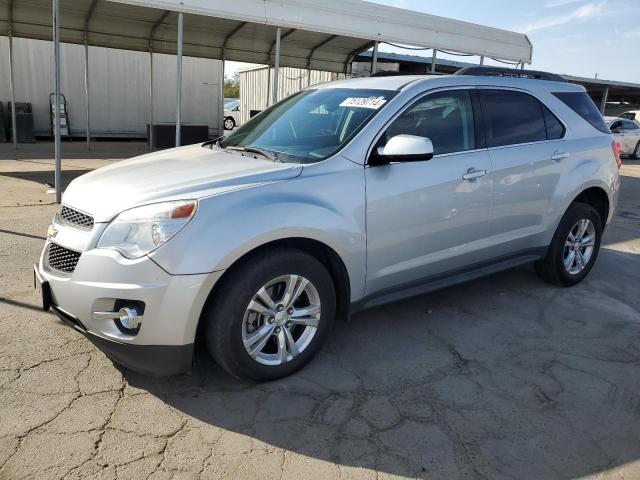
(180, 173)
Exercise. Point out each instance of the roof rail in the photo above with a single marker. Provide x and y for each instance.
(510, 72)
(389, 73)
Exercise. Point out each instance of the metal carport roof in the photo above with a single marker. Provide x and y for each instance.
(319, 35)
(297, 33)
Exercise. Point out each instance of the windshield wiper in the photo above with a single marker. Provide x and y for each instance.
(270, 155)
(212, 142)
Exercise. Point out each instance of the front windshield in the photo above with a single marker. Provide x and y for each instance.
(310, 125)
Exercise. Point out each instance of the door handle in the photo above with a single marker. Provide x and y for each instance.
(557, 156)
(472, 174)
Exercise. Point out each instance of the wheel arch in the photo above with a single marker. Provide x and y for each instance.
(596, 197)
(321, 251)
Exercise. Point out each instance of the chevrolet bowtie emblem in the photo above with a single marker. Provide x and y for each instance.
(52, 232)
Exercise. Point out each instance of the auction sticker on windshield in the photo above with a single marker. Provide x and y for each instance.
(370, 102)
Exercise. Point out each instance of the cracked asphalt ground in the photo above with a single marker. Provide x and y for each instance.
(504, 377)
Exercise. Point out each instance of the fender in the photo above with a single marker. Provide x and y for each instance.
(230, 225)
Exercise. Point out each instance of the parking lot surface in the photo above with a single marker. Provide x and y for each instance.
(503, 377)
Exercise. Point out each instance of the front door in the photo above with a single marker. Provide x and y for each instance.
(429, 217)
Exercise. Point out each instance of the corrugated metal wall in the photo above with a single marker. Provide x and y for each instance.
(255, 85)
(119, 86)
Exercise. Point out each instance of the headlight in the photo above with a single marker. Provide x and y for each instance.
(138, 231)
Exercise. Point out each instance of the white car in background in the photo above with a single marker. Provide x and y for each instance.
(231, 113)
(631, 115)
(627, 133)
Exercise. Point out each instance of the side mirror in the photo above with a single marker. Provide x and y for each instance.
(403, 148)
(237, 109)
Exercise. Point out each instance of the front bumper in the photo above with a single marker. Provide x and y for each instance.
(155, 360)
(173, 304)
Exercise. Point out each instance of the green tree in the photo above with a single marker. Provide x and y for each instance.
(232, 86)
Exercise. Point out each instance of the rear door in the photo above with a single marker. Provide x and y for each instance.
(525, 142)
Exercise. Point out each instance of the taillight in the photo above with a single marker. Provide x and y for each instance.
(617, 150)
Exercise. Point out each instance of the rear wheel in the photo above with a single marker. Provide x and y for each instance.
(271, 315)
(574, 247)
(636, 152)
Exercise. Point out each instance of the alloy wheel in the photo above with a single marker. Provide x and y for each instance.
(281, 320)
(579, 246)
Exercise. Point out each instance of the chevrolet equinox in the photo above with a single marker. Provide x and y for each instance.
(340, 197)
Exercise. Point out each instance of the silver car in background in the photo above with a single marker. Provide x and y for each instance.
(627, 133)
(341, 197)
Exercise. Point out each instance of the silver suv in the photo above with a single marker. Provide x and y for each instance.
(338, 198)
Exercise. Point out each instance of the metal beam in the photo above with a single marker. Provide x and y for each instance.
(156, 25)
(231, 34)
(374, 59)
(150, 99)
(357, 51)
(152, 35)
(605, 96)
(56, 90)
(87, 97)
(86, 91)
(276, 68)
(179, 77)
(317, 46)
(273, 44)
(14, 123)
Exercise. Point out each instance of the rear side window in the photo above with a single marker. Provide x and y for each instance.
(512, 118)
(627, 125)
(582, 104)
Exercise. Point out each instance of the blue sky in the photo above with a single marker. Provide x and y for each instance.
(578, 37)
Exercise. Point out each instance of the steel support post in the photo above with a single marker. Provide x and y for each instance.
(179, 78)
(86, 91)
(374, 59)
(56, 94)
(276, 69)
(14, 123)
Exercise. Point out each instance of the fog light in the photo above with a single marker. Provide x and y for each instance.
(127, 319)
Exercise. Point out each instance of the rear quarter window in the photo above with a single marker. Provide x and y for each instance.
(582, 104)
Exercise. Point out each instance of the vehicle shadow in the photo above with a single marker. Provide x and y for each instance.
(46, 177)
(504, 376)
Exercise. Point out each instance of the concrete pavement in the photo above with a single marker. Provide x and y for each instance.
(504, 377)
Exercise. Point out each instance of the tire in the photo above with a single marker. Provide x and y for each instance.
(229, 123)
(636, 152)
(552, 268)
(232, 317)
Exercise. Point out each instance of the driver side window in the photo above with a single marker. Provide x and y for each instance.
(446, 118)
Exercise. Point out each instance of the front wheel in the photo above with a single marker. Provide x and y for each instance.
(271, 315)
(229, 123)
(636, 152)
(574, 247)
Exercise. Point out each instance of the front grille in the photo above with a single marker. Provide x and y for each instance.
(75, 218)
(62, 259)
